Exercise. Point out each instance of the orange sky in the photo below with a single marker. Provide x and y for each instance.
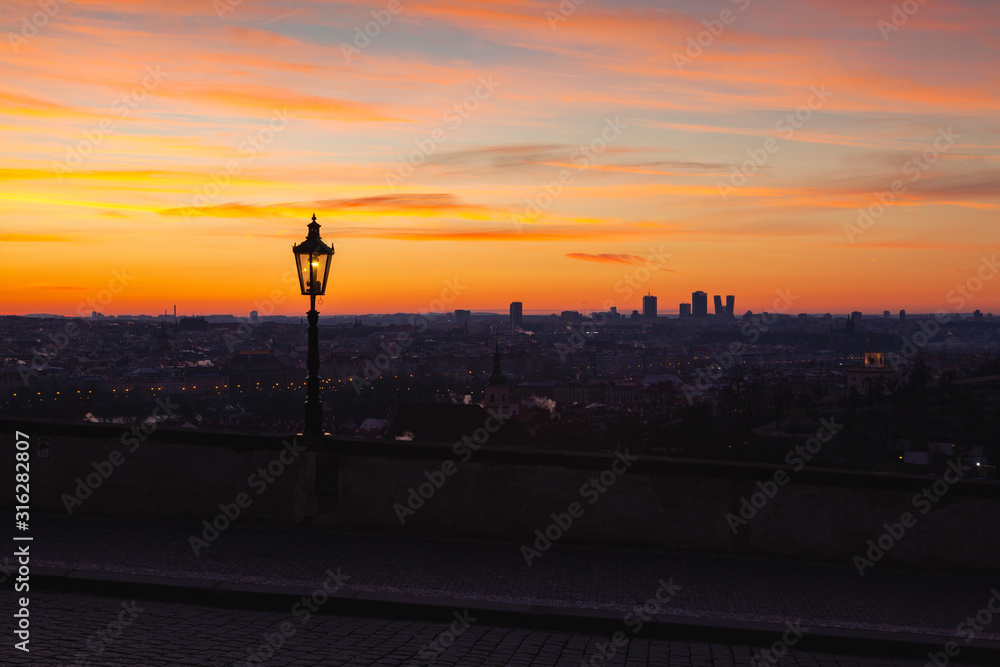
(498, 150)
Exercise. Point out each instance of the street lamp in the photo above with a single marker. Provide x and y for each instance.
(312, 259)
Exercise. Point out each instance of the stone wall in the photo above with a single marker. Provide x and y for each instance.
(510, 494)
(814, 515)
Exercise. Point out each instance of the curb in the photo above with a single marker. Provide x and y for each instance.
(269, 597)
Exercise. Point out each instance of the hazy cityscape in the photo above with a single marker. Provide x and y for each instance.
(699, 384)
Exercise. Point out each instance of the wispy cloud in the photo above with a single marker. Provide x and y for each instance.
(606, 258)
(36, 238)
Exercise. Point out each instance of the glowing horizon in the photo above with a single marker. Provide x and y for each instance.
(574, 159)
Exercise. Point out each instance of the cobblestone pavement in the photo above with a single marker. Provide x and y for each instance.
(715, 586)
(70, 629)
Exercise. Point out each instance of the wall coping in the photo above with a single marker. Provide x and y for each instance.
(507, 455)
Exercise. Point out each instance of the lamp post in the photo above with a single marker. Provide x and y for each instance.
(312, 260)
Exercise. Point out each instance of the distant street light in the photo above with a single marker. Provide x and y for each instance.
(313, 258)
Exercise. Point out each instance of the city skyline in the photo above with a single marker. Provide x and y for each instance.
(552, 151)
(673, 313)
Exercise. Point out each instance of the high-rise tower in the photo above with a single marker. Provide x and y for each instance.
(699, 304)
(649, 307)
(516, 316)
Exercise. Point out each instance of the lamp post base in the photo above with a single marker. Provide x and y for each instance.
(314, 406)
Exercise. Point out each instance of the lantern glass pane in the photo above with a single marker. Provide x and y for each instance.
(322, 266)
(302, 262)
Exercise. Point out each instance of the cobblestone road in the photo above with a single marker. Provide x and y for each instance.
(715, 586)
(71, 629)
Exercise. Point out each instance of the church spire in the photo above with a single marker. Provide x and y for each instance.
(497, 377)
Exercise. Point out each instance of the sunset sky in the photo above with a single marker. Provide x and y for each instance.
(188, 142)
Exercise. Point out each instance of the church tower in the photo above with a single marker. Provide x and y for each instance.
(497, 390)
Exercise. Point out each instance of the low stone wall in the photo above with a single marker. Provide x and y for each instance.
(162, 477)
(531, 497)
(816, 515)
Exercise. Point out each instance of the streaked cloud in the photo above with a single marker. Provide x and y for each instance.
(607, 258)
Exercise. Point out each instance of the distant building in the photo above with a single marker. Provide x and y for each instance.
(373, 428)
(730, 304)
(719, 310)
(516, 316)
(162, 339)
(856, 316)
(685, 310)
(699, 304)
(255, 371)
(563, 392)
(497, 389)
(193, 324)
(886, 314)
(462, 317)
(873, 376)
(902, 314)
(649, 307)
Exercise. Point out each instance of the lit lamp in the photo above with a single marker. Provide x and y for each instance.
(312, 258)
